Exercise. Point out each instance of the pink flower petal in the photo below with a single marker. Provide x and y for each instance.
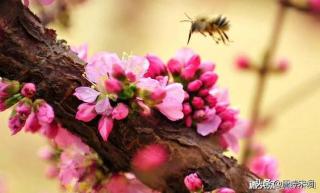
(105, 127)
(100, 65)
(86, 94)
(103, 106)
(171, 105)
(86, 112)
(137, 65)
(209, 126)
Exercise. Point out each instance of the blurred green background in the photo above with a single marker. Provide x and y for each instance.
(145, 26)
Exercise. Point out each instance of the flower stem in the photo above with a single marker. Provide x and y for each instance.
(262, 76)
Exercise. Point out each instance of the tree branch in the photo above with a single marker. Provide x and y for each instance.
(30, 53)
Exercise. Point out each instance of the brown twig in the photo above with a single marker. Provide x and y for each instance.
(263, 74)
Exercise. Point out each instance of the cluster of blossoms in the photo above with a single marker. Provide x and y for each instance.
(32, 115)
(80, 170)
(184, 89)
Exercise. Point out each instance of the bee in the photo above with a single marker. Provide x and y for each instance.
(218, 25)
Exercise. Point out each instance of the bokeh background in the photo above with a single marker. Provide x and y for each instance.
(145, 26)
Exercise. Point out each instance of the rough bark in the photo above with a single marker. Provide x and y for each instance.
(30, 53)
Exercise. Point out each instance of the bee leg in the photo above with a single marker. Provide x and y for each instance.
(225, 35)
(221, 36)
(203, 34)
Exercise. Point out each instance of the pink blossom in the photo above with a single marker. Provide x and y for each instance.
(32, 124)
(203, 92)
(315, 5)
(197, 103)
(242, 62)
(82, 50)
(86, 112)
(120, 112)
(156, 67)
(264, 166)
(221, 95)
(113, 86)
(230, 139)
(193, 182)
(210, 125)
(209, 79)
(105, 127)
(28, 90)
(171, 105)
(137, 66)
(15, 124)
(86, 94)
(225, 190)
(150, 157)
(211, 101)
(194, 85)
(44, 112)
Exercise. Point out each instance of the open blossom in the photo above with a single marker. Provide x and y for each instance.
(265, 166)
(86, 94)
(230, 139)
(171, 105)
(193, 182)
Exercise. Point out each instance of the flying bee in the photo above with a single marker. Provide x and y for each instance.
(218, 25)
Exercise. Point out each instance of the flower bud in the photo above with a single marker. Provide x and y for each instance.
(207, 66)
(174, 66)
(188, 121)
(131, 77)
(203, 92)
(156, 67)
(15, 124)
(283, 65)
(117, 71)
(24, 108)
(197, 103)
(28, 90)
(120, 112)
(158, 95)
(44, 111)
(113, 86)
(3, 89)
(186, 96)
(211, 101)
(86, 112)
(314, 5)
(32, 124)
(194, 85)
(242, 62)
(209, 79)
(199, 115)
(186, 109)
(193, 182)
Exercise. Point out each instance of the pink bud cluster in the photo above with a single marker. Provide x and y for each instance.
(205, 105)
(32, 115)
